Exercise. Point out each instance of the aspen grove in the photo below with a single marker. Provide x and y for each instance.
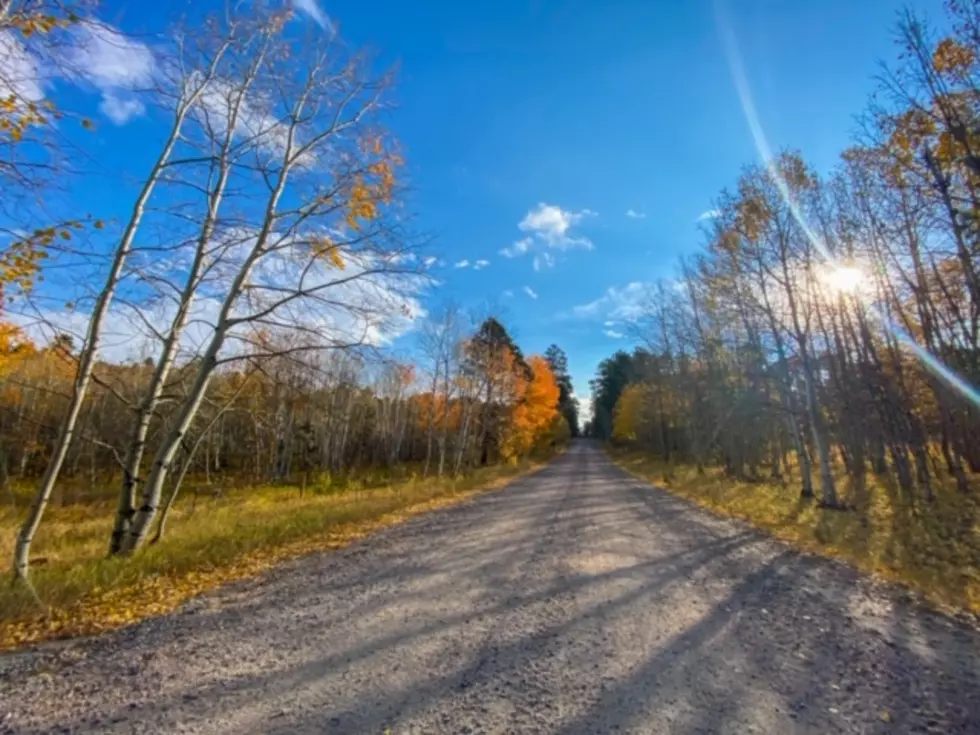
(264, 268)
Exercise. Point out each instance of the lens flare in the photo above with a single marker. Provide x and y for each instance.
(839, 273)
(843, 279)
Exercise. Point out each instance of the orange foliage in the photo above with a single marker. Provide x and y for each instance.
(533, 412)
(433, 411)
(951, 57)
(14, 346)
(373, 187)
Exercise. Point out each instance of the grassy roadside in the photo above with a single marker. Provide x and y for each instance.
(222, 540)
(934, 550)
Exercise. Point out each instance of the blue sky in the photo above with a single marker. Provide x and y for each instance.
(546, 121)
(606, 106)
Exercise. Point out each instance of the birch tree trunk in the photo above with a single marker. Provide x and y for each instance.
(151, 399)
(90, 349)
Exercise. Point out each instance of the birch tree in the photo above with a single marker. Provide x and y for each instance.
(833, 317)
(221, 111)
(320, 261)
(184, 99)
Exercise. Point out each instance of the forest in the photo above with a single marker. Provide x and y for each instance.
(825, 340)
(236, 327)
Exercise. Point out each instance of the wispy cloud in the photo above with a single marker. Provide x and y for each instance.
(462, 264)
(373, 306)
(115, 64)
(256, 121)
(20, 75)
(480, 264)
(543, 260)
(121, 110)
(508, 294)
(312, 9)
(626, 303)
(612, 334)
(633, 214)
(518, 248)
(92, 55)
(530, 292)
(429, 260)
(709, 214)
(553, 225)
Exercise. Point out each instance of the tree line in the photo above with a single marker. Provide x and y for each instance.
(831, 322)
(264, 264)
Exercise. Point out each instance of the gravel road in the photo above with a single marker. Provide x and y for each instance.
(577, 600)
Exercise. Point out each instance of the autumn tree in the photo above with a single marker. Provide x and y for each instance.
(184, 96)
(319, 260)
(829, 327)
(497, 368)
(534, 409)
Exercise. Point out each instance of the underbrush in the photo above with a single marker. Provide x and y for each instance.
(210, 540)
(932, 547)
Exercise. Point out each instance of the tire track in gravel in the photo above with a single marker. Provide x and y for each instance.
(577, 600)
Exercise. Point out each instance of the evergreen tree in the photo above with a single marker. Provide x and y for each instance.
(558, 362)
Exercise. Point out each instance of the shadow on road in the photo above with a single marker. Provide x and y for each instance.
(579, 600)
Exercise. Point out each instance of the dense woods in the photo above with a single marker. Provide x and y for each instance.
(264, 268)
(283, 419)
(829, 330)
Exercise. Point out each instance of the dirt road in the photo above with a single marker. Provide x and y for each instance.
(575, 601)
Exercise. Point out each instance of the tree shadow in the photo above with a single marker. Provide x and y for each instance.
(482, 617)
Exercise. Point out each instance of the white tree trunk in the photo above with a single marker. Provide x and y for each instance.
(163, 459)
(137, 442)
(89, 353)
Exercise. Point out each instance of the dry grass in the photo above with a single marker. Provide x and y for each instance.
(231, 537)
(932, 548)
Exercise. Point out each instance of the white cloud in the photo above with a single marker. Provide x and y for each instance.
(115, 64)
(633, 214)
(518, 248)
(109, 59)
(462, 264)
(530, 292)
(625, 304)
(368, 306)
(543, 260)
(368, 303)
(480, 264)
(609, 323)
(612, 334)
(120, 110)
(315, 12)
(255, 118)
(552, 225)
(20, 74)
(429, 261)
(709, 214)
(508, 294)
(94, 55)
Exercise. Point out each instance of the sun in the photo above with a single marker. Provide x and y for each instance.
(843, 279)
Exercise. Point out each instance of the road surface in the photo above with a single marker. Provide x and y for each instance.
(577, 600)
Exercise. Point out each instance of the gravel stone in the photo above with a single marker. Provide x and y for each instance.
(577, 600)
